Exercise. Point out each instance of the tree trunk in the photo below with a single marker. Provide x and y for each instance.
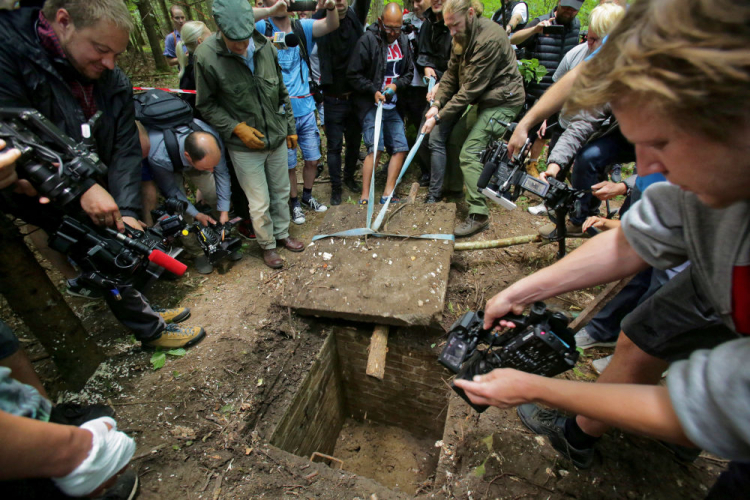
(376, 10)
(34, 298)
(167, 26)
(200, 12)
(210, 15)
(409, 5)
(138, 32)
(147, 17)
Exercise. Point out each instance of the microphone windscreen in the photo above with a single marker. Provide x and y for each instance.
(172, 265)
(291, 40)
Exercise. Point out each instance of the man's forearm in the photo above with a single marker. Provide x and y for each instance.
(330, 23)
(523, 35)
(605, 258)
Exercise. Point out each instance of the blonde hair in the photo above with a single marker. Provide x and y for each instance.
(85, 13)
(604, 17)
(687, 59)
(190, 32)
(462, 6)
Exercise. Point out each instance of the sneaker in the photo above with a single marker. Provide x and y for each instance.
(126, 487)
(551, 424)
(394, 199)
(424, 181)
(175, 336)
(314, 204)
(586, 341)
(538, 210)
(75, 414)
(298, 216)
(473, 224)
(352, 185)
(175, 315)
(77, 289)
(335, 197)
(363, 202)
(549, 231)
(203, 265)
(245, 228)
(430, 199)
(601, 364)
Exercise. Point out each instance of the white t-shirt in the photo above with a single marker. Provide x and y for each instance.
(392, 70)
(522, 10)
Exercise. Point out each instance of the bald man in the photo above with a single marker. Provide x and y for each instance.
(381, 67)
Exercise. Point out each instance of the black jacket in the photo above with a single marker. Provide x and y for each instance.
(549, 50)
(30, 78)
(434, 44)
(335, 48)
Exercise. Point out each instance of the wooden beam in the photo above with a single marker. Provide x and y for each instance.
(378, 349)
(598, 303)
(413, 193)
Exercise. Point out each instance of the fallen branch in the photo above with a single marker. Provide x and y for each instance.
(505, 242)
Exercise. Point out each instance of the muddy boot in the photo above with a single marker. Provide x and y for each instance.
(176, 336)
(473, 224)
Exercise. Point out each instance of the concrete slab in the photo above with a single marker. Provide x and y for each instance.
(387, 281)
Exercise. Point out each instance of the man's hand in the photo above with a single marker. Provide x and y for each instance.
(552, 170)
(101, 207)
(379, 97)
(599, 223)
(540, 27)
(607, 190)
(250, 137)
(498, 306)
(503, 387)
(132, 222)
(542, 130)
(430, 73)
(291, 141)
(223, 217)
(392, 86)
(430, 121)
(204, 219)
(8, 159)
(431, 95)
(326, 4)
(278, 10)
(518, 139)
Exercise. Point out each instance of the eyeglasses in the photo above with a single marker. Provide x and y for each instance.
(392, 30)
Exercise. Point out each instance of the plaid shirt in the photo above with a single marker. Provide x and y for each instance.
(83, 92)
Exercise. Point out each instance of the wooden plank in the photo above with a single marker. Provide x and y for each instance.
(413, 193)
(378, 349)
(598, 303)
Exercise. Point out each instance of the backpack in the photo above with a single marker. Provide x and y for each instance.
(159, 110)
(300, 32)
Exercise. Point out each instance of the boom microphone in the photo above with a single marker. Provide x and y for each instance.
(172, 265)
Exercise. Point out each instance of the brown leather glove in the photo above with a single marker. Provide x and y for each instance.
(291, 142)
(249, 136)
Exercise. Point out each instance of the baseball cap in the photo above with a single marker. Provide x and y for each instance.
(234, 18)
(576, 4)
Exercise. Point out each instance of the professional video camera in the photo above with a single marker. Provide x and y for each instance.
(42, 145)
(503, 179)
(541, 343)
(214, 239)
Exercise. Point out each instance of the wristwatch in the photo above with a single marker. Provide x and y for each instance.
(437, 118)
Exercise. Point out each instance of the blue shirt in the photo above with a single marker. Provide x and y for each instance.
(294, 69)
(171, 43)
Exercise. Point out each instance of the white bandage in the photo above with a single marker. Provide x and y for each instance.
(110, 451)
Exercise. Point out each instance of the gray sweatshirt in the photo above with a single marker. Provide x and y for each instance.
(710, 391)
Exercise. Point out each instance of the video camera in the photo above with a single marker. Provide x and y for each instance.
(503, 179)
(214, 239)
(541, 343)
(42, 145)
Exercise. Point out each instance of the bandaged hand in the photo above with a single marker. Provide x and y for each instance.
(110, 453)
(250, 137)
(291, 141)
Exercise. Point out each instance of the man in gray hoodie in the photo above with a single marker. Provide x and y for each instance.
(699, 139)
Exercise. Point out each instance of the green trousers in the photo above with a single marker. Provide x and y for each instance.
(472, 133)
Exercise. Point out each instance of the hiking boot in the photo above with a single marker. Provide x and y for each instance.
(352, 185)
(601, 364)
(175, 315)
(586, 341)
(473, 224)
(549, 231)
(78, 289)
(125, 488)
(272, 259)
(335, 196)
(430, 199)
(314, 204)
(424, 181)
(551, 424)
(75, 414)
(175, 336)
(203, 265)
(245, 228)
(298, 216)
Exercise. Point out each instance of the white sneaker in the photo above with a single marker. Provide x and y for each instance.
(298, 216)
(538, 210)
(314, 204)
(585, 341)
(602, 363)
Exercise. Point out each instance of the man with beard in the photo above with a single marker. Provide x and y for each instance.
(483, 72)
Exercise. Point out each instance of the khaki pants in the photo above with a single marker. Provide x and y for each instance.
(265, 181)
(201, 180)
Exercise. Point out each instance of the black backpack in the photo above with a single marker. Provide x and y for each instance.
(160, 110)
(300, 32)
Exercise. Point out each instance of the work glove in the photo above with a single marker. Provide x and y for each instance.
(252, 138)
(291, 142)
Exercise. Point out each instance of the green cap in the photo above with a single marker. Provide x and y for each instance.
(234, 18)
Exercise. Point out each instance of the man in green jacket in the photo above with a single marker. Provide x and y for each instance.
(241, 93)
(482, 72)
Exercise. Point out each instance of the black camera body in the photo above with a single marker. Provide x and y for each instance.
(42, 145)
(214, 239)
(541, 343)
(168, 218)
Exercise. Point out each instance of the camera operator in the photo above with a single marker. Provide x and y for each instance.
(61, 62)
(483, 72)
(514, 14)
(699, 141)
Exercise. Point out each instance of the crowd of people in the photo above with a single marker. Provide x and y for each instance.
(659, 82)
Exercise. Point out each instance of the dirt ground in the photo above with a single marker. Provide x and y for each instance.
(202, 422)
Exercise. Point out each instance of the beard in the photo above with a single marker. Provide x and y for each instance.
(460, 40)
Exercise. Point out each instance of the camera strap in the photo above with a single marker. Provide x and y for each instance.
(172, 145)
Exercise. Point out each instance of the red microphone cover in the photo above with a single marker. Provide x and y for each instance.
(172, 265)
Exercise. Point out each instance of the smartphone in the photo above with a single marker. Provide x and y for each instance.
(302, 6)
(554, 29)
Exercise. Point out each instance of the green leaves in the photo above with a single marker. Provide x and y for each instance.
(531, 70)
(159, 357)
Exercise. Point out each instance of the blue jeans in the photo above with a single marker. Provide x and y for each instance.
(589, 166)
(308, 140)
(392, 132)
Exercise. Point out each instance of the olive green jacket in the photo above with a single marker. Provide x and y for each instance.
(485, 74)
(228, 93)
